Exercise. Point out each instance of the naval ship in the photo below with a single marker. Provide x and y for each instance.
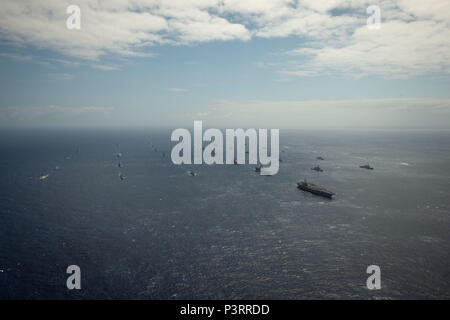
(314, 189)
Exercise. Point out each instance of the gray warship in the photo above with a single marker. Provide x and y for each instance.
(314, 189)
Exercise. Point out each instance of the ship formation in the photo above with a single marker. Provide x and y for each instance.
(318, 190)
(302, 185)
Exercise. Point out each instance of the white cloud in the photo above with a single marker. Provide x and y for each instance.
(398, 49)
(60, 76)
(105, 67)
(413, 38)
(177, 90)
(64, 62)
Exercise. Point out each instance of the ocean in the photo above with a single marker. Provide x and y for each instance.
(226, 233)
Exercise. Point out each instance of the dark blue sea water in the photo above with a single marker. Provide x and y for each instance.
(226, 233)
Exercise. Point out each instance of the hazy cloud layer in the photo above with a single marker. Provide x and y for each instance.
(394, 112)
(53, 115)
(346, 113)
(413, 38)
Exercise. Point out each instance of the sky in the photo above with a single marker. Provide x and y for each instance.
(230, 63)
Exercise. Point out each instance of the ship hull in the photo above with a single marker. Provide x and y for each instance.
(324, 194)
